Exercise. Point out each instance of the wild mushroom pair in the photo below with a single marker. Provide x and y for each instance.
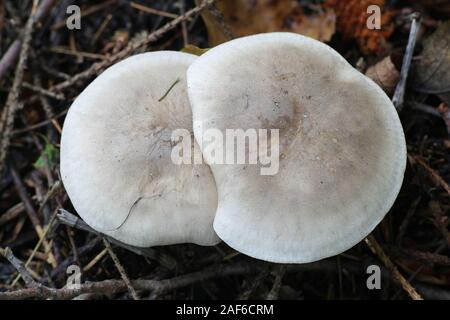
(342, 150)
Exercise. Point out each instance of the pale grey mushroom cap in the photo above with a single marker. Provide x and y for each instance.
(342, 147)
(116, 155)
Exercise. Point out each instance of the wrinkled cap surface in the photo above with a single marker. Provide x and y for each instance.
(342, 152)
(116, 155)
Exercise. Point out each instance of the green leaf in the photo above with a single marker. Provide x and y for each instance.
(50, 152)
(194, 50)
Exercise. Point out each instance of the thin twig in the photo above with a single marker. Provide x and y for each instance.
(146, 9)
(108, 287)
(375, 247)
(406, 220)
(55, 73)
(12, 102)
(47, 109)
(101, 29)
(49, 195)
(76, 53)
(440, 220)
(19, 266)
(10, 57)
(12, 213)
(435, 176)
(417, 271)
(32, 214)
(255, 283)
(57, 96)
(220, 19)
(399, 94)
(184, 29)
(23, 195)
(71, 220)
(427, 257)
(40, 124)
(84, 13)
(170, 89)
(96, 259)
(121, 270)
(98, 67)
(72, 259)
(38, 245)
(279, 274)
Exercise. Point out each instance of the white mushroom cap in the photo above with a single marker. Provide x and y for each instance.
(342, 147)
(116, 155)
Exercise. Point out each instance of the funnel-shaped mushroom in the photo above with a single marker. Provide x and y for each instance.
(342, 152)
(116, 155)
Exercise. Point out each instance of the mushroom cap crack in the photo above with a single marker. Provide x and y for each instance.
(116, 155)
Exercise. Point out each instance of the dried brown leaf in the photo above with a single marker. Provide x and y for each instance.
(352, 18)
(431, 73)
(246, 17)
(385, 74)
